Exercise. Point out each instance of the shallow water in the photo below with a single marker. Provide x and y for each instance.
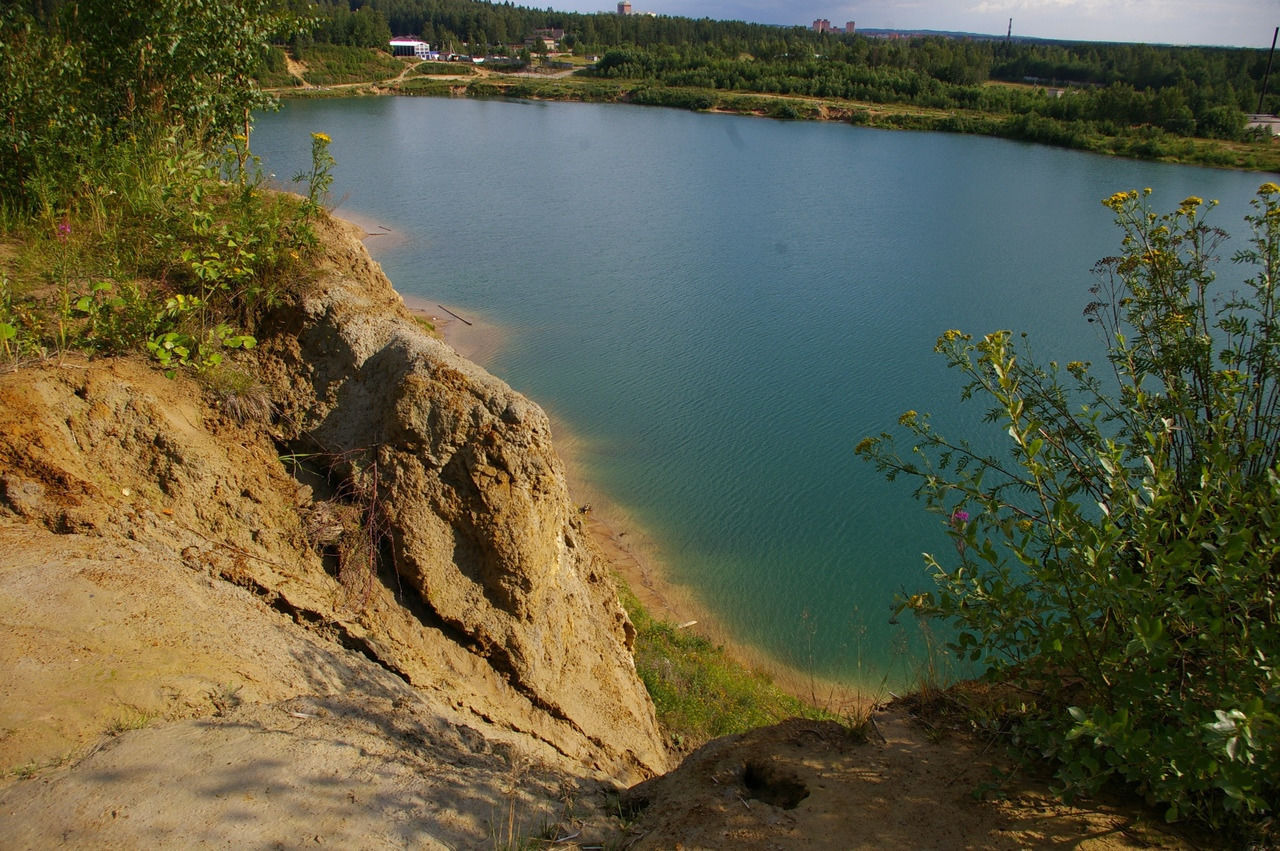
(720, 307)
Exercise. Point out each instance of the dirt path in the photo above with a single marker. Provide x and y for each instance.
(808, 784)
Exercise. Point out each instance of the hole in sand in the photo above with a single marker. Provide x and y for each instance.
(768, 783)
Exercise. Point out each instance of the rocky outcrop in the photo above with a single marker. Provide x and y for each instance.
(480, 589)
(473, 498)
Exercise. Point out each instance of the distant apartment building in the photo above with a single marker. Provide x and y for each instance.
(822, 25)
(624, 8)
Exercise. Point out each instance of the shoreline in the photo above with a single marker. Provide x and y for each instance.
(628, 548)
(1204, 152)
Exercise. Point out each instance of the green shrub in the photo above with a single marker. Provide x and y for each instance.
(480, 89)
(427, 86)
(694, 99)
(1122, 565)
(160, 250)
(273, 72)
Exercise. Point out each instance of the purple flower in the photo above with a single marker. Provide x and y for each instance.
(64, 230)
(959, 518)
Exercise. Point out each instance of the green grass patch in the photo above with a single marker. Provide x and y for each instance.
(157, 251)
(699, 692)
(331, 64)
(429, 86)
(273, 73)
(435, 69)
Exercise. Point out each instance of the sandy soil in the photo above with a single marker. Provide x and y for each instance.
(130, 720)
(146, 703)
(809, 784)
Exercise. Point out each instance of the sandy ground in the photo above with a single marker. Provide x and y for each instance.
(130, 721)
(809, 784)
(145, 703)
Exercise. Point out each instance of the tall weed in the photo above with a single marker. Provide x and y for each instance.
(1121, 566)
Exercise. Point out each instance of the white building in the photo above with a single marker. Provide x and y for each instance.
(412, 47)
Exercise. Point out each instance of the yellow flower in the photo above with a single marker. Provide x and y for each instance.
(1118, 200)
(1191, 201)
(908, 418)
(1268, 188)
(321, 137)
(949, 337)
(916, 602)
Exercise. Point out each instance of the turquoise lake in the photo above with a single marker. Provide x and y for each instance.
(719, 308)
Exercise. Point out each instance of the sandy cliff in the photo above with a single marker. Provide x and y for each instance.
(163, 564)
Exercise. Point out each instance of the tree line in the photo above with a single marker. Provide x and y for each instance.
(1201, 91)
(1076, 89)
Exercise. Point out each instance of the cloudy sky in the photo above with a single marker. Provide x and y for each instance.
(1242, 23)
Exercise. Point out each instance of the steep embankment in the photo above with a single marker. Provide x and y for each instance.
(403, 633)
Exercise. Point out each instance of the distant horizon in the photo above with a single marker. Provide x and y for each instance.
(1201, 23)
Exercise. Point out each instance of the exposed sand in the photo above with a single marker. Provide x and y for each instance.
(377, 235)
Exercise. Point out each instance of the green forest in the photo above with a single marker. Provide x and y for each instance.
(1201, 91)
(1130, 99)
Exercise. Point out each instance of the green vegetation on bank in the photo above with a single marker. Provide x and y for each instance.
(699, 692)
(132, 210)
(1150, 101)
(1162, 103)
(328, 65)
(1120, 565)
(1183, 104)
(1144, 142)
